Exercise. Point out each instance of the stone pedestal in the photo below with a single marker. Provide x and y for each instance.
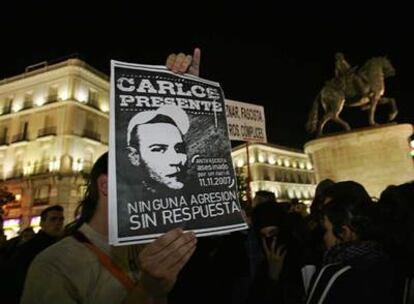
(375, 157)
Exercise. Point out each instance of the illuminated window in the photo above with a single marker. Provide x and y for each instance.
(11, 227)
(240, 163)
(261, 158)
(35, 223)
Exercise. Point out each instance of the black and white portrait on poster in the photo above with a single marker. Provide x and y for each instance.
(169, 158)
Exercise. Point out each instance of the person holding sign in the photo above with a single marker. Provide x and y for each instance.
(84, 268)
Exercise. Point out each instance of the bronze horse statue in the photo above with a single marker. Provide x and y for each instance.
(362, 87)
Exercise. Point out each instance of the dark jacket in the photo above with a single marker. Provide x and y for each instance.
(353, 273)
(18, 265)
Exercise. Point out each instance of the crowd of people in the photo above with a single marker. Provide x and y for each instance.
(347, 249)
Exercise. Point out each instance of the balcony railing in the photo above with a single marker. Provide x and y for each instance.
(19, 137)
(93, 103)
(92, 135)
(46, 131)
(40, 201)
(52, 98)
(41, 168)
(6, 110)
(4, 141)
(27, 105)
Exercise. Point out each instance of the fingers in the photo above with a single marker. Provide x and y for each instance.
(182, 63)
(170, 61)
(184, 259)
(162, 242)
(281, 251)
(179, 63)
(273, 245)
(266, 249)
(169, 252)
(195, 64)
(176, 250)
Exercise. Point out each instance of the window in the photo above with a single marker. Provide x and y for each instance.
(27, 101)
(93, 98)
(6, 105)
(3, 136)
(42, 195)
(52, 94)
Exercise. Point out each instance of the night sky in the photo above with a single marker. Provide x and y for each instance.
(273, 56)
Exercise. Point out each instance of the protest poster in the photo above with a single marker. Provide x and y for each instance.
(246, 121)
(169, 156)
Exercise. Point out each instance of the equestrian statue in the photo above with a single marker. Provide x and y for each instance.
(352, 87)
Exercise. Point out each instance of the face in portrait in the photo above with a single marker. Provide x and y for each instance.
(156, 145)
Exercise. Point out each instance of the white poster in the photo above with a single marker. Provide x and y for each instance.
(169, 156)
(246, 121)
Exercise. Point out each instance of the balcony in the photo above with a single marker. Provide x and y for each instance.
(4, 141)
(41, 201)
(41, 168)
(6, 110)
(19, 138)
(49, 131)
(27, 105)
(51, 99)
(94, 104)
(91, 135)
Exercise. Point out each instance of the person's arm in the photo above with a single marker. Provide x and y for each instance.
(45, 284)
(181, 63)
(160, 262)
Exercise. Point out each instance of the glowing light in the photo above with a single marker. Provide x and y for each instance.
(54, 165)
(28, 169)
(286, 162)
(279, 161)
(261, 158)
(302, 165)
(18, 197)
(294, 164)
(39, 100)
(78, 166)
(11, 227)
(251, 160)
(63, 94)
(309, 166)
(35, 223)
(240, 163)
(82, 95)
(272, 160)
(104, 108)
(17, 107)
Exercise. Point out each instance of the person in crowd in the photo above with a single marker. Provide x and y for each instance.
(395, 215)
(51, 224)
(355, 269)
(14, 244)
(277, 274)
(84, 268)
(263, 196)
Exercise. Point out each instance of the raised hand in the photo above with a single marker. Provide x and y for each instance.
(162, 260)
(181, 63)
(275, 257)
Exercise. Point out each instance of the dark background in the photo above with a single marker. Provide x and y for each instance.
(261, 52)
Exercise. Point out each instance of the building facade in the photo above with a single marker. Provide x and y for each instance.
(286, 172)
(53, 126)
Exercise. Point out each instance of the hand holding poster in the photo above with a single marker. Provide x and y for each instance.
(169, 159)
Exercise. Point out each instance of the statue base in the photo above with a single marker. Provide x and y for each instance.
(375, 157)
